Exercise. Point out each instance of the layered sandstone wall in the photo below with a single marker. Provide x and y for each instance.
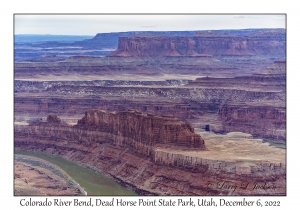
(197, 164)
(272, 78)
(263, 82)
(265, 121)
(184, 103)
(164, 173)
(147, 129)
(133, 129)
(262, 111)
(124, 65)
(178, 54)
(152, 139)
(72, 139)
(44, 105)
(59, 135)
(278, 68)
(201, 45)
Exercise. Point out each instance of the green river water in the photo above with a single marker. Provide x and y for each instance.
(92, 182)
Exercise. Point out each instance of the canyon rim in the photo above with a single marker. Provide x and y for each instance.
(163, 112)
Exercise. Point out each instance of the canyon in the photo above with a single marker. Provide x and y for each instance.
(263, 115)
(162, 113)
(153, 159)
(252, 104)
(208, 53)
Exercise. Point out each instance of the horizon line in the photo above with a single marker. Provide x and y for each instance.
(146, 31)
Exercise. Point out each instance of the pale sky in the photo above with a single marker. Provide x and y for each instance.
(93, 24)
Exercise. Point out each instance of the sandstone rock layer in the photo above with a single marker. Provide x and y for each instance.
(204, 44)
(116, 145)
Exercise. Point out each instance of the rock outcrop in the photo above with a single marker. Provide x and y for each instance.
(53, 119)
(142, 128)
(132, 129)
(204, 53)
(204, 96)
(204, 44)
(84, 65)
(199, 55)
(261, 116)
(278, 68)
(258, 82)
(70, 106)
(149, 166)
(267, 121)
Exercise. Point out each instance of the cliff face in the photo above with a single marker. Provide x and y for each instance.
(124, 64)
(145, 165)
(278, 68)
(185, 103)
(183, 53)
(263, 82)
(145, 129)
(260, 120)
(115, 145)
(133, 129)
(44, 105)
(262, 113)
(201, 45)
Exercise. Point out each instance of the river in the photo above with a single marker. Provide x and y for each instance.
(92, 182)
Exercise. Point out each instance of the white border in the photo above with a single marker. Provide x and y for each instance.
(8, 8)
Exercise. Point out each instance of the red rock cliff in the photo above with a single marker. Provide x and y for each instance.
(101, 142)
(201, 45)
(146, 129)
